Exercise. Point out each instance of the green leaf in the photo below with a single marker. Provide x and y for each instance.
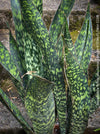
(26, 45)
(56, 67)
(15, 111)
(7, 62)
(15, 54)
(59, 19)
(33, 57)
(34, 25)
(52, 68)
(19, 29)
(94, 106)
(39, 5)
(80, 95)
(97, 130)
(39, 102)
(95, 94)
(83, 44)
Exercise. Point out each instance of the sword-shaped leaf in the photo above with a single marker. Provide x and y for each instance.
(7, 62)
(52, 69)
(95, 94)
(19, 29)
(39, 5)
(33, 57)
(15, 54)
(33, 22)
(25, 41)
(35, 26)
(83, 44)
(60, 17)
(15, 111)
(39, 102)
(80, 95)
(57, 71)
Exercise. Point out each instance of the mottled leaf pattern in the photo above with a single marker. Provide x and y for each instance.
(56, 60)
(35, 26)
(15, 111)
(15, 54)
(39, 102)
(79, 94)
(95, 97)
(39, 5)
(7, 62)
(19, 29)
(83, 44)
(26, 46)
(59, 19)
(56, 75)
(33, 57)
(52, 68)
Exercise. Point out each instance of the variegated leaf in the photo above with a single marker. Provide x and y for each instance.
(15, 111)
(80, 95)
(83, 44)
(39, 5)
(7, 62)
(39, 102)
(59, 19)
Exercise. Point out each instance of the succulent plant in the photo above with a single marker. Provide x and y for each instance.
(37, 61)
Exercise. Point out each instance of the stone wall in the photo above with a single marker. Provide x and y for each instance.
(49, 8)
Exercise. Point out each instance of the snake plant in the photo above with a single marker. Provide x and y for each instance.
(36, 63)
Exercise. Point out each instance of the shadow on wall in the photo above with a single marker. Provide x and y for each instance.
(95, 2)
(12, 131)
(21, 131)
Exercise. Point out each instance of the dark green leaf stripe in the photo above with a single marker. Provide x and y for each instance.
(34, 25)
(83, 44)
(79, 94)
(59, 18)
(7, 62)
(19, 29)
(33, 57)
(15, 54)
(56, 75)
(95, 97)
(40, 105)
(94, 105)
(25, 42)
(15, 111)
(39, 5)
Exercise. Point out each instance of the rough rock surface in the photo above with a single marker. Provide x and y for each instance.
(49, 8)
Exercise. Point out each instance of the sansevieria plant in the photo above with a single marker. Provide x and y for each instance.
(37, 61)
